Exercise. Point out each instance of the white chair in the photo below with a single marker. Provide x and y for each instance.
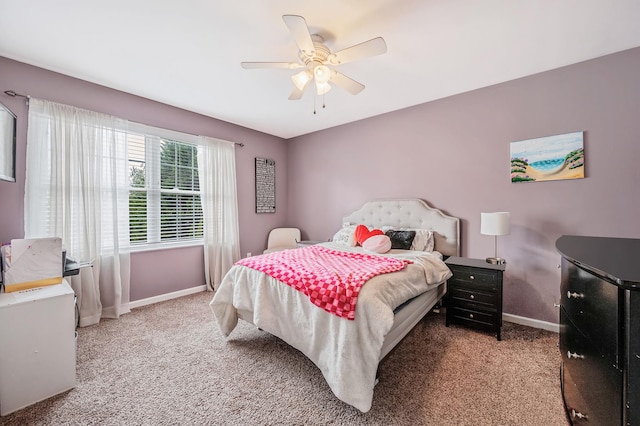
(282, 239)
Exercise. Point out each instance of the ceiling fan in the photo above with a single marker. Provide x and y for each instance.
(317, 60)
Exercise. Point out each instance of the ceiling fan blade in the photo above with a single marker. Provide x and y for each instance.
(285, 65)
(373, 47)
(296, 94)
(346, 83)
(300, 32)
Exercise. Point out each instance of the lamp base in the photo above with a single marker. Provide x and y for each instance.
(496, 260)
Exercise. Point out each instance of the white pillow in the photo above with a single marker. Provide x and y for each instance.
(423, 240)
(377, 244)
(346, 235)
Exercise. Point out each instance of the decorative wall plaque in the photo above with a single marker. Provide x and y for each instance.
(265, 185)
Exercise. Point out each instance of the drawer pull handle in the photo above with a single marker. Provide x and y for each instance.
(578, 415)
(470, 315)
(574, 355)
(471, 277)
(574, 295)
(472, 297)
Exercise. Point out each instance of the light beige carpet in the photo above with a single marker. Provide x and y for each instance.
(168, 364)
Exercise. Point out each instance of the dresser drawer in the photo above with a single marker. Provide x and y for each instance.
(473, 277)
(591, 383)
(472, 299)
(592, 305)
(574, 403)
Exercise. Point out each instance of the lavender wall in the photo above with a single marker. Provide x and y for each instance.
(163, 271)
(454, 153)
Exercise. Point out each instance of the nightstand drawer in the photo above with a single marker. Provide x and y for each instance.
(469, 298)
(477, 278)
(469, 315)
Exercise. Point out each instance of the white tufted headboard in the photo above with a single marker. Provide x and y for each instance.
(411, 213)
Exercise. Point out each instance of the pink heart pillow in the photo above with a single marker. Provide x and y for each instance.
(362, 233)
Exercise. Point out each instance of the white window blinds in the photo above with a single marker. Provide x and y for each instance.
(164, 198)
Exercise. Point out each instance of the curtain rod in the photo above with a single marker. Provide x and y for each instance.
(13, 94)
(239, 144)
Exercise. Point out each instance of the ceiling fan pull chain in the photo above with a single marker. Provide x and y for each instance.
(323, 105)
(314, 102)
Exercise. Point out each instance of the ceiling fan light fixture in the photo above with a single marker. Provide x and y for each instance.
(322, 74)
(317, 60)
(322, 88)
(302, 79)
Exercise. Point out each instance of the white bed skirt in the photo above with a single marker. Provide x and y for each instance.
(406, 318)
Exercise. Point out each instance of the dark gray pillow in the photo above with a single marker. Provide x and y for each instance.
(401, 239)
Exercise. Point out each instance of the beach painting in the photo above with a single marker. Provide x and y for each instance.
(549, 158)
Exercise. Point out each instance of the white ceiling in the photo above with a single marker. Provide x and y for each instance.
(187, 53)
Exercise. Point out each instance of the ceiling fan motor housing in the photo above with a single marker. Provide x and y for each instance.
(320, 54)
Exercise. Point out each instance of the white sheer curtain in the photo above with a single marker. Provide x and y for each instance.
(77, 188)
(217, 172)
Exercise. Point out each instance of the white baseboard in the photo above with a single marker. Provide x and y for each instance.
(530, 322)
(168, 296)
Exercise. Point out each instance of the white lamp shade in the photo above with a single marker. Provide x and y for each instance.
(322, 73)
(497, 223)
(322, 88)
(302, 79)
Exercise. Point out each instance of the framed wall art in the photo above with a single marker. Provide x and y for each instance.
(265, 185)
(548, 158)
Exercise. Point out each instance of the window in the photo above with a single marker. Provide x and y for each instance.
(164, 194)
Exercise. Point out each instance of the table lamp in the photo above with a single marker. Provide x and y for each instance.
(495, 224)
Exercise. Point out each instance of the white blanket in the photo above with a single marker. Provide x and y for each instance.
(346, 352)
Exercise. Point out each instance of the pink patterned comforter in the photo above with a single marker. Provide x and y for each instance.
(330, 278)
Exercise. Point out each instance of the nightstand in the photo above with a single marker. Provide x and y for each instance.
(307, 243)
(474, 294)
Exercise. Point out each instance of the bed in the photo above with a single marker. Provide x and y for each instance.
(388, 306)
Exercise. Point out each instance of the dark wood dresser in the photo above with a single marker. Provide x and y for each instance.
(600, 329)
(474, 294)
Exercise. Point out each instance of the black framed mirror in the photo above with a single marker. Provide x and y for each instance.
(7, 144)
